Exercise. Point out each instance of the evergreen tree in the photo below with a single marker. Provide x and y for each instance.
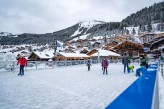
(159, 27)
(149, 26)
(162, 27)
(127, 31)
(133, 31)
(143, 29)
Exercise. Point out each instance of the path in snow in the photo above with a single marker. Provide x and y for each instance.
(71, 87)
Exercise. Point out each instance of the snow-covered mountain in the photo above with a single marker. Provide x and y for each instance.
(83, 27)
(5, 34)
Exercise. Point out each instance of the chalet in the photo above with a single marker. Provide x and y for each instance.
(146, 38)
(40, 56)
(132, 48)
(100, 54)
(156, 47)
(70, 56)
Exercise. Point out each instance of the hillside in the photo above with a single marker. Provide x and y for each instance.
(152, 14)
(149, 19)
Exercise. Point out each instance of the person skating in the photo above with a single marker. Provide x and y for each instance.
(105, 66)
(125, 63)
(89, 64)
(23, 62)
(143, 61)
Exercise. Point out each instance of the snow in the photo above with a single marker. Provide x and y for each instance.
(5, 34)
(105, 53)
(161, 90)
(70, 87)
(45, 54)
(98, 37)
(86, 24)
(76, 32)
(131, 30)
(7, 56)
(89, 24)
(73, 54)
(81, 37)
(137, 39)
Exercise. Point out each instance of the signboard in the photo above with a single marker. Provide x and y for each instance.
(146, 49)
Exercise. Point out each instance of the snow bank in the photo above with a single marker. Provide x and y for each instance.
(161, 90)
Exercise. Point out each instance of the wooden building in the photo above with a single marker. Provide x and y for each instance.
(70, 56)
(146, 38)
(155, 47)
(40, 56)
(100, 54)
(133, 49)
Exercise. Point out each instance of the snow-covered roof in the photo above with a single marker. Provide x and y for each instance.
(72, 54)
(45, 54)
(98, 37)
(105, 53)
(137, 39)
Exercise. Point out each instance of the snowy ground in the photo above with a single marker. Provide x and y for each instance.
(71, 87)
(161, 90)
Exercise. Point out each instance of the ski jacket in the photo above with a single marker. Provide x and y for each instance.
(22, 61)
(125, 60)
(105, 63)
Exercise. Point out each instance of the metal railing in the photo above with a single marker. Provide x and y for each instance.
(35, 65)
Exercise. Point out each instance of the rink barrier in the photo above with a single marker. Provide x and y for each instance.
(142, 94)
(35, 65)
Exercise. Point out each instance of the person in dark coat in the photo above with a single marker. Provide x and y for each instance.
(105, 65)
(23, 62)
(89, 64)
(125, 62)
(143, 61)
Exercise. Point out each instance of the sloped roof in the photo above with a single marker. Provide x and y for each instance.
(45, 55)
(130, 42)
(72, 54)
(105, 53)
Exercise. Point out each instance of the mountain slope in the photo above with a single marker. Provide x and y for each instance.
(143, 20)
(153, 14)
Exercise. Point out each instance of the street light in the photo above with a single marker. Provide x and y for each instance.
(98, 57)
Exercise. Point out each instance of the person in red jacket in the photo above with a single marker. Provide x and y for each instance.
(23, 62)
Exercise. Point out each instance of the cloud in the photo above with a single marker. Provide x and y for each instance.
(43, 16)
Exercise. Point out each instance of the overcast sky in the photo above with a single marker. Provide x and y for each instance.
(44, 16)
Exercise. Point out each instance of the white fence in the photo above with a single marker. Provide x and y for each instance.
(35, 65)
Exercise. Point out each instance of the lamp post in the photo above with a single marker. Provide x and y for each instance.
(98, 58)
